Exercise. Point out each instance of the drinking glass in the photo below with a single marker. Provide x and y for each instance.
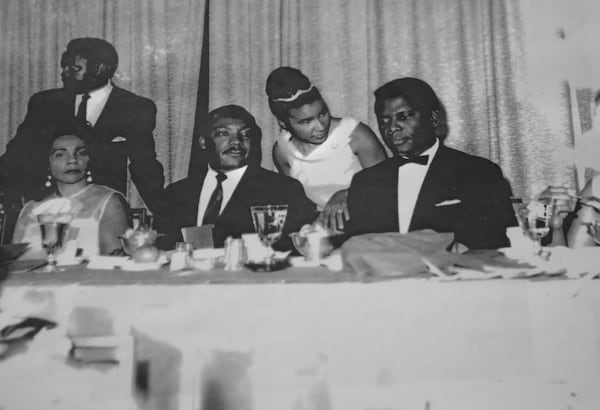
(534, 217)
(53, 228)
(268, 222)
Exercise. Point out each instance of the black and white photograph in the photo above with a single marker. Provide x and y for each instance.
(300, 204)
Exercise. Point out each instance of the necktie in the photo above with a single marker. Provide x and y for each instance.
(82, 110)
(214, 203)
(421, 160)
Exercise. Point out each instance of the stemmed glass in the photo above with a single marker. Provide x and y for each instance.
(53, 228)
(268, 222)
(534, 217)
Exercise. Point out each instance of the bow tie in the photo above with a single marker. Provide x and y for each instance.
(421, 160)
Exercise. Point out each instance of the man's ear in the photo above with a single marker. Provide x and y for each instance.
(435, 118)
(202, 142)
(101, 68)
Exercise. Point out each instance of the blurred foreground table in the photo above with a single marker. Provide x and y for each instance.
(309, 339)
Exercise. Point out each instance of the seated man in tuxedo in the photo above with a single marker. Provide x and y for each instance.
(426, 185)
(222, 194)
(118, 127)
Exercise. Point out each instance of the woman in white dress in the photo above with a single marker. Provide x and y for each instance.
(99, 213)
(321, 151)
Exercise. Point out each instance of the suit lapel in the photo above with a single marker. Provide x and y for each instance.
(437, 182)
(240, 193)
(63, 107)
(110, 111)
(388, 195)
(192, 198)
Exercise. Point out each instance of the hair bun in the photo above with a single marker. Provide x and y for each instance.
(285, 82)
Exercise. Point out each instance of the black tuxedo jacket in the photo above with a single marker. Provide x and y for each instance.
(123, 132)
(461, 193)
(257, 187)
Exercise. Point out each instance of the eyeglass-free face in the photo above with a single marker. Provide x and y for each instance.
(228, 144)
(403, 129)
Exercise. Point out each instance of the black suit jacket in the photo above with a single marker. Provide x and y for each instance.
(24, 165)
(479, 216)
(257, 187)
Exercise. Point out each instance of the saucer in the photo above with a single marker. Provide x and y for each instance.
(278, 264)
(301, 262)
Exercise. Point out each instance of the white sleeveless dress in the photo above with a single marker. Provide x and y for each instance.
(327, 169)
(83, 232)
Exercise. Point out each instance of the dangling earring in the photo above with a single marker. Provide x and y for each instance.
(48, 182)
(89, 176)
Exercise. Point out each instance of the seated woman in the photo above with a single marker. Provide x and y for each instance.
(99, 213)
(321, 151)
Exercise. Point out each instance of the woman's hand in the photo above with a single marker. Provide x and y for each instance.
(336, 211)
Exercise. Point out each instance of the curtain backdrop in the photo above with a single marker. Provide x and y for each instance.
(159, 44)
(472, 52)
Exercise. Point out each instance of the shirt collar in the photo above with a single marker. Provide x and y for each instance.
(101, 92)
(234, 174)
(431, 151)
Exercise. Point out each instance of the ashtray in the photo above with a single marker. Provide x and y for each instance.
(277, 264)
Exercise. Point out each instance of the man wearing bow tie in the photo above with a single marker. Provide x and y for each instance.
(117, 125)
(426, 185)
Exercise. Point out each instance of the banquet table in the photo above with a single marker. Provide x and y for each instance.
(308, 338)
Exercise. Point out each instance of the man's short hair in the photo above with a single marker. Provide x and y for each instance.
(95, 51)
(237, 112)
(240, 113)
(417, 93)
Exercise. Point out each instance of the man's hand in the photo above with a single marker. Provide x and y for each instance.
(336, 211)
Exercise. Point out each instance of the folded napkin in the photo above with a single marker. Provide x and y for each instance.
(396, 254)
(92, 335)
(19, 324)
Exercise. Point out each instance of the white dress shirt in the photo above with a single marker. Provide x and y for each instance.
(95, 104)
(209, 185)
(410, 180)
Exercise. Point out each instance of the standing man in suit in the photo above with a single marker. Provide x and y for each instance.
(426, 185)
(116, 123)
(222, 194)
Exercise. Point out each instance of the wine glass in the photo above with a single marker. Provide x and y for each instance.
(534, 217)
(563, 201)
(53, 228)
(268, 222)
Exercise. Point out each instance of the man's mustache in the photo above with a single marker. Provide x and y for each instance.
(235, 148)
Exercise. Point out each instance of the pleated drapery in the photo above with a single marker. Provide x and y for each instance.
(507, 71)
(159, 44)
(472, 52)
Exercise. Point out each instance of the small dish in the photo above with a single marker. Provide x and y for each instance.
(277, 264)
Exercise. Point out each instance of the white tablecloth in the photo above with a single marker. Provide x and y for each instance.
(402, 344)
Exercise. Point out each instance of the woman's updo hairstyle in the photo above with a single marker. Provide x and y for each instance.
(287, 88)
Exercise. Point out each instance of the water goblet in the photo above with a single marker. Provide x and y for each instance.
(268, 222)
(53, 228)
(534, 217)
(563, 201)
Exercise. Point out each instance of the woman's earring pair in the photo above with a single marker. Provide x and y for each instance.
(88, 178)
